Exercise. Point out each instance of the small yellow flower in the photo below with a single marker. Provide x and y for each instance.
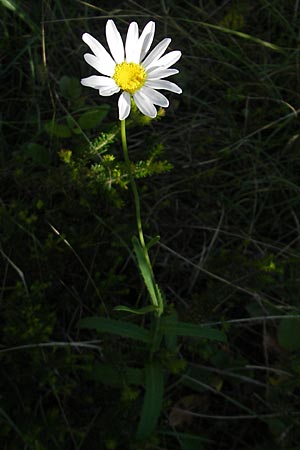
(129, 69)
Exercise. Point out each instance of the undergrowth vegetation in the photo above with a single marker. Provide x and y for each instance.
(218, 176)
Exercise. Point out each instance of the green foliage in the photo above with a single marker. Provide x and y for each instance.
(146, 271)
(124, 329)
(113, 172)
(188, 329)
(152, 404)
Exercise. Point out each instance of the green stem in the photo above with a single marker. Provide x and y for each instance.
(133, 185)
(138, 211)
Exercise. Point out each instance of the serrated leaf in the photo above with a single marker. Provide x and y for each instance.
(146, 271)
(152, 405)
(110, 375)
(144, 268)
(118, 327)
(70, 87)
(288, 333)
(139, 311)
(191, 330)
(58, 129)
(93, 117)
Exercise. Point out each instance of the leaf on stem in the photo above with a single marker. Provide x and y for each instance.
(118, 327)
(145, 270)
(174, 328)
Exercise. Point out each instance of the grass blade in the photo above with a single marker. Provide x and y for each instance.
(244, 36)
(14, 6)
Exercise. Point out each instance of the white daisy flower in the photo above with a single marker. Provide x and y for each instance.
(129, 69)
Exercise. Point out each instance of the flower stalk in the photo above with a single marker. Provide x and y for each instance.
(144, 262)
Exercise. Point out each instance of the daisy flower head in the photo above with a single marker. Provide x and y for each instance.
(131, 69)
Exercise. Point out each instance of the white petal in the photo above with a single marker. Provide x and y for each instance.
(94, 45)
(156, 52)
(155, 97)
(169, 59)
(131, 43)
(97, 82)
(114, 41)
(144, 105)
(107, 91)
(164, 84)
(108, 64)
(100, 64)
(124, 105)
(146, 39)
(155, 73)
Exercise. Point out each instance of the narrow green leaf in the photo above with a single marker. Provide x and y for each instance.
(188, 329)
(139, 311)
(15, 6)
(118, 327)
(9, 4)
(145, 271)
(111, 375)
(151, 409)
(244, 36)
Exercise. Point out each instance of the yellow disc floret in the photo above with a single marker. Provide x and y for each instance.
(129, 76)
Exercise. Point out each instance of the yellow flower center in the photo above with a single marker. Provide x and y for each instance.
(129, 76)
